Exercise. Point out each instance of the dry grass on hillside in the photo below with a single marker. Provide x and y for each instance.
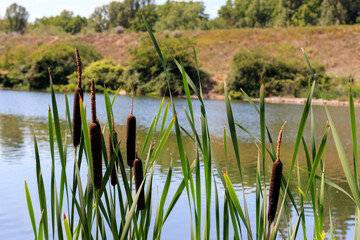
(337, 48)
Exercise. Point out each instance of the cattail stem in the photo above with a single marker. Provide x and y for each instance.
(78, 64)
(279, 142)
(93, 102)
(132, 102)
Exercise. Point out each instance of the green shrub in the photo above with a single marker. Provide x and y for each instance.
(280, 76)
(32, 69)
(145, 74)
(104, 72)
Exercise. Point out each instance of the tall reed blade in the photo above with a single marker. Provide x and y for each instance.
(95, 141)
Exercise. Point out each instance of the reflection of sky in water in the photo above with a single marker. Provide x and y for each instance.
(25, 113)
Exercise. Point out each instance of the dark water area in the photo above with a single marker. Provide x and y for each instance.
(23, 114)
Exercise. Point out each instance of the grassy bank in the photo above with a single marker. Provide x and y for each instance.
(334, 48)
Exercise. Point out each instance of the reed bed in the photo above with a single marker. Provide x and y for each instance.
(116, 210)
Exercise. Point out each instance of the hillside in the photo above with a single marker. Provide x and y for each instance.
(337, 48)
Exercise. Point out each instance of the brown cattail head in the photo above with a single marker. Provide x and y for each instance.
(131, 139)
(274, 189)
(95, 141)
(95, 144)
(275, 183)
(112, 145)
(77, 116)
(78, 64)
(138, 176)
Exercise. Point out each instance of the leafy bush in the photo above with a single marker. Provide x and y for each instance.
(281, 76)
(146, 75)
(59, 57)
(104, 72)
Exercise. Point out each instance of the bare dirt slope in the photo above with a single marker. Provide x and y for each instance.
(337, 48)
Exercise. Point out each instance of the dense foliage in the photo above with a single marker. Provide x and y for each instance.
(268, 13)
(126, 15)
(30, 67)
(104, 72)
(16, 18)
(146, 75)
(280, 76)
(66, 21)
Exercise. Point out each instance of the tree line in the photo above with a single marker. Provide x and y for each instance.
(126, 15)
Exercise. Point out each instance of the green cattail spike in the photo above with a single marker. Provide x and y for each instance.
(138, 176)
(76, 110)
(275, 181)
(95, 141)
(131, 136)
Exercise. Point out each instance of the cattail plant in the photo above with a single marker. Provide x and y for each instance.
(275, 181)
(138, 176)
(112, 145)
(76, 110)
(95, 141)
(131, 136)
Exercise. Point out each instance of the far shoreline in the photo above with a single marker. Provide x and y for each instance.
(211, 96)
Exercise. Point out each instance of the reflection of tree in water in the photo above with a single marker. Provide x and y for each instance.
(12, 138)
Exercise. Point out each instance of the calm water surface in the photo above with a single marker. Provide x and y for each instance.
(24, 113)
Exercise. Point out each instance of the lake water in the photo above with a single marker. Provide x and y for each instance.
(25, 113)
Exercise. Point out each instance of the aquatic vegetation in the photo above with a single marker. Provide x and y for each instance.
(116, 211)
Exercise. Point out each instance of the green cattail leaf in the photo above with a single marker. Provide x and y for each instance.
(58, 218)
(148, 137)
(217, 211)
(191, 83)
(159, 112)
(41, 188)
(115, 95)
(67, 229)
(344, 162)
(262, 126)
(296, 228)
(164, 117)
(174, 200)
(232, 129)
(236, 203)
(192, 126)
(353, 132)
(130, 214)
(31, 209)
(164, 138)
(317, 159)
(52, 181)
(67, 111)
(187, 91)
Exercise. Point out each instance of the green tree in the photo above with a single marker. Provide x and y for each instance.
(332, 12)
(16, 17)
(146, 75)
(181, 15)
(99, 19)
(104, 72)
(66, 20)
(307, 14)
